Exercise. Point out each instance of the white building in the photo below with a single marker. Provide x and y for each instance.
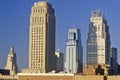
(98, 42)
(74, 52)
(42, 38)
(59, 61)
(12, 62)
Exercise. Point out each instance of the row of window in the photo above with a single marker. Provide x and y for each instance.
(37, 65)
(92, 61)
(38, 36)
(37, 18)
(37, 47)
(37, 41)
(37, 29)
(38, 10)
(37, 22)
(37, 51)
(96, 19)
(38, 60)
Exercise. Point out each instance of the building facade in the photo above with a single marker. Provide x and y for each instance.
(42, 38)
(97, 70)
(59, 58)
(4, 72)
(8, 77)
(74, 52)
(46, 76)
(12, 62)
(23, 76)
(98, 41)
(114, 63)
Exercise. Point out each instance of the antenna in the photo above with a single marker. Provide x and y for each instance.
(91, 13)
(98, 7)
(105, 13)
(58, 50)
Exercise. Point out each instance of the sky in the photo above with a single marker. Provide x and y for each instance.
(14, 24)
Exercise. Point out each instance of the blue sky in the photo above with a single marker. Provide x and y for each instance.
(14, 24)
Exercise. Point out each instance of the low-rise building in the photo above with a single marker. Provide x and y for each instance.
(113, 77)
(46, 76)
(64, 76)
(8, 77)
(97, 70)
(88, 77)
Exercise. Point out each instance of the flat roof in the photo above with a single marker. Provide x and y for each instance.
(46, 74)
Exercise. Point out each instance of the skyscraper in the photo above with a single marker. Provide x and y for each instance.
(114, 63)
(74, 52)
(12, 62)
(42, 38)
(98, 41)
(59, 61)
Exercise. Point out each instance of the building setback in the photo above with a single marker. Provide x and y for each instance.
(42, 38)
(74, 52)
(98, 41)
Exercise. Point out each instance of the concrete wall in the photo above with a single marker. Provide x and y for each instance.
(57, 76)
(45, 76)
(8, 77)
(88, 77)
(113, 78)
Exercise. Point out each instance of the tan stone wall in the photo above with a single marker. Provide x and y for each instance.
(45, 77)
(64, 77)
(89, 71)
(113, 78)
(8, 77)
(88, 77)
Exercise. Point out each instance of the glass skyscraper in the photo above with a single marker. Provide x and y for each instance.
(98, 41)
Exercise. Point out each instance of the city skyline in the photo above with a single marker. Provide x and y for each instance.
(17, 34)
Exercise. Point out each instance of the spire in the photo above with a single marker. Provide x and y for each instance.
(96, 13)
(11, 50)
(11, 63)
(46, 0)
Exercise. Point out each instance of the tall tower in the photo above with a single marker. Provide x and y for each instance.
(74, 52)
(12, 62)
(42, 38)
(98, 42)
